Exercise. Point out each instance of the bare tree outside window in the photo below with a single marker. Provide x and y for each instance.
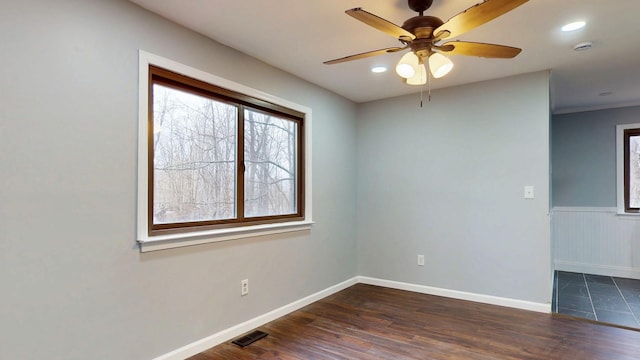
(270, 157)
(194, 157)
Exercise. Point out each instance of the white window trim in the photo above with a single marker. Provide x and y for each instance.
(152, 243)
(620, 167)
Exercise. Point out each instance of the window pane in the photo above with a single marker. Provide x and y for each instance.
(270, 149)
(194, 157)
(634, 171)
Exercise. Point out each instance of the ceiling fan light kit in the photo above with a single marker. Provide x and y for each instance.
(421, 34)
(419, 78)
(413, 69)
(440, 65)
(408, 65)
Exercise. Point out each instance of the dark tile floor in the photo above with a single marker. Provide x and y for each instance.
(603, 298)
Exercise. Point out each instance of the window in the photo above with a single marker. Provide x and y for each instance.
(628, 168)
(631, 170)
(217, 161)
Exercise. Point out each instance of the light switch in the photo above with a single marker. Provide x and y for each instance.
(528, 192)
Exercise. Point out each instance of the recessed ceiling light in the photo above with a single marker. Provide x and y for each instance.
(574, 26)
(378, 69)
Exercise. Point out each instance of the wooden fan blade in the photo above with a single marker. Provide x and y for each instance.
(364, 55)
(475, 16)
(479, 49)
(380, 24)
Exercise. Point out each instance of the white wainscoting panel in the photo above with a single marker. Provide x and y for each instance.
(596, 240)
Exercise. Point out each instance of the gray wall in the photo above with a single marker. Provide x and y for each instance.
(447, 181)
(72, 282)
(583, 156)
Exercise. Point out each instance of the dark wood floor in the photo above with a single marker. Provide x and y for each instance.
(370, 322)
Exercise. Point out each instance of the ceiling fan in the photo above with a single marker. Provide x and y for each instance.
(422, 34)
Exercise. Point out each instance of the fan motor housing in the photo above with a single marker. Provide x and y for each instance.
(422, 26)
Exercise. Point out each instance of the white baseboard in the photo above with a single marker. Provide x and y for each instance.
(597, 269)
(462, 295)
(199, 346)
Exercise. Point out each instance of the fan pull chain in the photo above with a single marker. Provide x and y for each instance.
(429, 83)
(422, 86)
(428, 89)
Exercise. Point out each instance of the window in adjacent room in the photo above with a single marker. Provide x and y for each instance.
(632, 170)
(628, 168)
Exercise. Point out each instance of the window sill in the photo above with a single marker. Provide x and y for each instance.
(628, 215)
(163, 242)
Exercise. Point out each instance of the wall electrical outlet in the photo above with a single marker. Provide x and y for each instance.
(420, 260)
(244, 287)
(528, 192)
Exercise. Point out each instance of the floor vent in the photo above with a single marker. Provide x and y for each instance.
(250, 338)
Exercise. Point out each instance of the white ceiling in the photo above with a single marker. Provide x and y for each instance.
(298, 35)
